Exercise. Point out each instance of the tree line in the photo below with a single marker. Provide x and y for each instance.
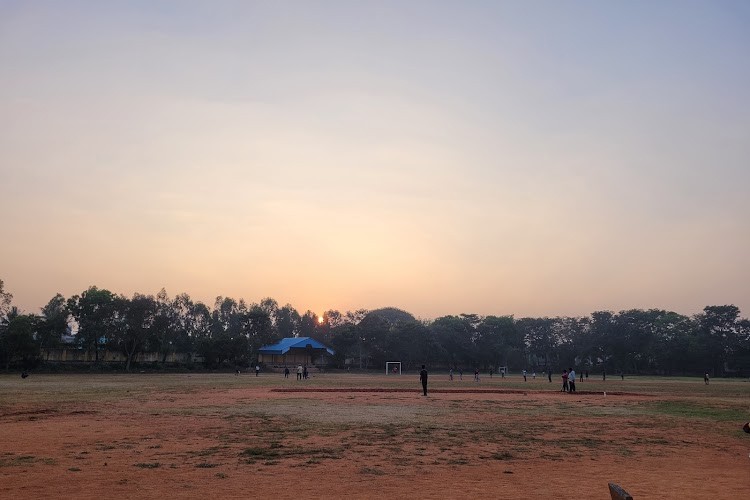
(229, 334)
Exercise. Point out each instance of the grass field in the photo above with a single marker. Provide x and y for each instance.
(197, 435)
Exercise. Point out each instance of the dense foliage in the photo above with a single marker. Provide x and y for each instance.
(716, 340)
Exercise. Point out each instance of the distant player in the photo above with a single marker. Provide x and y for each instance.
(571, 380)
(705, 378)
(423, 379)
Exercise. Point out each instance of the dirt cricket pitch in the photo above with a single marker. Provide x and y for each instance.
(226, 436)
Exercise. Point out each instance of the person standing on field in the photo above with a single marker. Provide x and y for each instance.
(705, 378)
(299, 372)
(571, 380)
(423, 379)
(565, 381)
(257, 370)
(286, 372)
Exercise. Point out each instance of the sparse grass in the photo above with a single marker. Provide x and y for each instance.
(502, 455)
(458, 461)
(278, 451)
(584, 442)
(259, 453)
(698, 410)
(24, 460)
(148, 465)
(208, 451)
(371, 470)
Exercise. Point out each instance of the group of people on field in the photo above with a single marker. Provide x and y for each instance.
(301, 372)
(569, 380)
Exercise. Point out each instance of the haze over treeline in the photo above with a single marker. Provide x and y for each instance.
(229, 334)
(546, 157)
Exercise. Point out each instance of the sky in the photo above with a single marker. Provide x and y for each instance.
(502, 157)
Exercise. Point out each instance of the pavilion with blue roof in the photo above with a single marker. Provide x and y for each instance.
(295, 351)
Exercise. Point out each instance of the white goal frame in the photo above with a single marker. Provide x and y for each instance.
(388, 367)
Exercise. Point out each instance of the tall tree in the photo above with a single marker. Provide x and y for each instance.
(288, 321)
(455, 336)
(138, 316)
(259, 330)
(308, 326)
(498, 340)
(54, 322)
(5, 300)
(96, 313)
(720, 332)
(17, 342)
(163, 333)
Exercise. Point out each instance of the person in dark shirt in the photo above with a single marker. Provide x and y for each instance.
(423, 379)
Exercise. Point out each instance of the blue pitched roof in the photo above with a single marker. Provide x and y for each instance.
(283, 346)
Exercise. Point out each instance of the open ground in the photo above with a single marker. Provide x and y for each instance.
(221, 435)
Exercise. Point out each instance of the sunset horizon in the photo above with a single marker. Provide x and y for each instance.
(500, 159)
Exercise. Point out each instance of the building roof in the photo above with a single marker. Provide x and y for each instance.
(283, 346)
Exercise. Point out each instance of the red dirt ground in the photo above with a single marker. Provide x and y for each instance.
(261, 443)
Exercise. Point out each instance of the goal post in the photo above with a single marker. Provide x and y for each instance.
(393, 367)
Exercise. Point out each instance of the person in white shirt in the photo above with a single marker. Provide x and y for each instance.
(571, 380)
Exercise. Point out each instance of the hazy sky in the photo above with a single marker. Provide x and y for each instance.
(499, 157)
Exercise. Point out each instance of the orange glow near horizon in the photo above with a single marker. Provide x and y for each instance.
(405, 168)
